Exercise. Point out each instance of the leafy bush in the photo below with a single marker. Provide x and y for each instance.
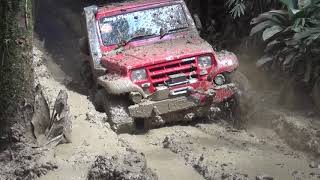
(292, 39)
(238, 8)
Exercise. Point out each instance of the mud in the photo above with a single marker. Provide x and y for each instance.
(305, 130)
(21, 162)
(130, 166)
(22, 159)
(236, 155)
(210, 150)
(267, 146)
(88, 131)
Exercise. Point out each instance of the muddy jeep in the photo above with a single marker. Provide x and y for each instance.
(149, 66)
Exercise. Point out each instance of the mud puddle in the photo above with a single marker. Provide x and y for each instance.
(216, 153)
(254, 152)
(165, 163)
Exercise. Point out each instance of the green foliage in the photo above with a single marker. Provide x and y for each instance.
(238, 8)
(292, 38)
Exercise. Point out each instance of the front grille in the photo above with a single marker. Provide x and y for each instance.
(160, 73)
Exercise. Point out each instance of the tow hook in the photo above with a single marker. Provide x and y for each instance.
(157, 119)
(211, 93)
(189, 116)
(213, 111)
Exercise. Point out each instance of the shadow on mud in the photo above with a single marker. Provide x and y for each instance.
(59, 26)
(221, 121)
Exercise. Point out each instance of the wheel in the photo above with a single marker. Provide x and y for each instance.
(116, 108)
(316, 94)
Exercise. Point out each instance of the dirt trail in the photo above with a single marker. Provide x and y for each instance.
(90, 137)
(165, 163)
(202, 151)
(241, 154)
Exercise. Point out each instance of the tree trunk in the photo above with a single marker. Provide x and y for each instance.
(16, 72)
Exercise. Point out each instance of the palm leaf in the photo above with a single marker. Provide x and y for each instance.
(261, 17)
(270, 32)
(261, 26)
(263, 60)
(292, 4)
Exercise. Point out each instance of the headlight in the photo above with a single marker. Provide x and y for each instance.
(205, 61)
(138, 75)
(219, 80)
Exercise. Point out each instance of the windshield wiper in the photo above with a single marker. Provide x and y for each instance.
(164, 31)
(123, 42)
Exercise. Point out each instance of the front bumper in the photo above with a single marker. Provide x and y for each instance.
(195, 99)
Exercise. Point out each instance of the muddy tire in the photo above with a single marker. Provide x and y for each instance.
(116, 108)
(316, 94)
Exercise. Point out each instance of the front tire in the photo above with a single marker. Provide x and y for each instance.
(116, 108)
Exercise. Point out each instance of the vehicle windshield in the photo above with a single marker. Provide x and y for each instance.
(142, 24)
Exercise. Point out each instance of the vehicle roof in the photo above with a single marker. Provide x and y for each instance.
(114, 8)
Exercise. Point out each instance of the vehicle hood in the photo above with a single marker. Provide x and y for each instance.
(144, 55)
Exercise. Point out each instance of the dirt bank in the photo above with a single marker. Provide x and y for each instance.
(90, 136)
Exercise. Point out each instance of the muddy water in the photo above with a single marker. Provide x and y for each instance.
(165, 163)
(252, 154)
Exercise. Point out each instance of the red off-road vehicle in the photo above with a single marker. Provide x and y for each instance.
(150, 66)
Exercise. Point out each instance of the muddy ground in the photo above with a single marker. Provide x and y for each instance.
(275, 142)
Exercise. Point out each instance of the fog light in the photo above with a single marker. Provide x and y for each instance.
(219, 80)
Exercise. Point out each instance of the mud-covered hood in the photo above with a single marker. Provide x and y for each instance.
(141, 56)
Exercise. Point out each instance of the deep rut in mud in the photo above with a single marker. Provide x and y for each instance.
(210, 150)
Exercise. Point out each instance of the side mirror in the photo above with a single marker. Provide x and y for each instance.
(94, 9)
(197, 21)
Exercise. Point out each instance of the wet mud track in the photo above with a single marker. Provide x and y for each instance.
(209, 150)
(215, 152)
